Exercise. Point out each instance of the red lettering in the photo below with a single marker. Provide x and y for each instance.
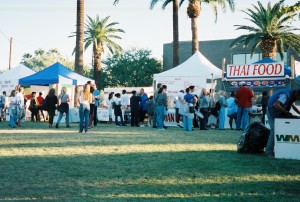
(254, 69)
(268, 69)
(236, 70)
(278, 69)
(230, 69)
(261, 69)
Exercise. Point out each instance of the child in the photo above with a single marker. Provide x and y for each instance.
(150, 110)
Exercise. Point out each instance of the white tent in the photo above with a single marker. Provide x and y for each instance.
(194, 71)
(10, 78)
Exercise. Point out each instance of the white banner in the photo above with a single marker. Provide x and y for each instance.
(264, 70)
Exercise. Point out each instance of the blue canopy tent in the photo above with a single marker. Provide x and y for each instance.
(55, 73)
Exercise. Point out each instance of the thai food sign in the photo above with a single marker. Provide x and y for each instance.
(250, 71)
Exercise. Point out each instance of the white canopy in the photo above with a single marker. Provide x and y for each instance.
(10, 78)
(193, 72)
(196, 66)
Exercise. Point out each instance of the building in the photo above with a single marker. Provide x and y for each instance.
(216, 50)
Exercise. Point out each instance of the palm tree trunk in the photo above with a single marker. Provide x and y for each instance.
(269, 48)
(175, 34)
(97, 66)
(195, 43)
(79, 37)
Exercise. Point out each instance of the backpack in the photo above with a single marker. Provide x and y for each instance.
(43, 105)
(254, 139)
(218, 106)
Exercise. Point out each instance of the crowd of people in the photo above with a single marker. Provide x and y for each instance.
(204, 111)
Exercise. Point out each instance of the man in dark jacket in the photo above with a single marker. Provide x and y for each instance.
(134, 108)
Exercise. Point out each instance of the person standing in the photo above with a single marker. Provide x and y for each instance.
(63, 107)
(2, 104)
(204, 108)
(279, 106)
(143, 106)
(33, 107)
(244, 100)
(13, 109)
(118, 110)
(223, 105)
(187, 115)
(40, 99)
(135, 109)
(109, 102)
(124, 104)
(97, 97)
(150, 110)
(85, 99)
(161, 104)
(178, 102)
(232, 109)
(264, 105)
(92, 108)
(159, 85)
(51, 103)
(22, 105)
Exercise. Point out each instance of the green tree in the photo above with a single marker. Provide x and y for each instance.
(79, 37)
(272, 31)
(131, 69)
(100, 34)
(42, 59)
(193, 11)
(175, 27)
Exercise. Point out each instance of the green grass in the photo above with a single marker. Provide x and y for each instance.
(137, 164)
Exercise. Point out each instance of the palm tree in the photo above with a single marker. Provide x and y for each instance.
(273, 30)
(79, 37)
(193, 11)
(175, 28)
(100, 34)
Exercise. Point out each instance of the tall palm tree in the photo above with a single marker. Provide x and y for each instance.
(79, 37)
(100, 33)
(272, 30)
(193, 11)
(175, 27)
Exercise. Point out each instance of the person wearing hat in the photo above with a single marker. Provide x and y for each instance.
(243, 97)
(279, 106)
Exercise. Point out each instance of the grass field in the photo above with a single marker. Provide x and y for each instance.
(137, 164)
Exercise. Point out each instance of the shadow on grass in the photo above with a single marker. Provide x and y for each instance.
(157, 176)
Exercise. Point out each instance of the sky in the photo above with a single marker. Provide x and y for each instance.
(47, 24)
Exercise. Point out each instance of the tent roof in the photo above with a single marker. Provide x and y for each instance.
(52, 74)
(16, 73)
(287, 70)
(196, 66)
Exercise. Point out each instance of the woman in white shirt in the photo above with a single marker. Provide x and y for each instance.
(85, 99)
(13, 109)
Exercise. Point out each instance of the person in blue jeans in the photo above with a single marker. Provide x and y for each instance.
(161, 104)
(85, 99)
(223, 104)
(187, 116)
(64, 107)
(13, 109)
(279, 106)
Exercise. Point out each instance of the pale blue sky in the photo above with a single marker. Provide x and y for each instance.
(47, 24)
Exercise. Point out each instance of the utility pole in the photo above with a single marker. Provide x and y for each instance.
(10, 47)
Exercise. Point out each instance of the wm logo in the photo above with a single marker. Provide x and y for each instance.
(288, 138)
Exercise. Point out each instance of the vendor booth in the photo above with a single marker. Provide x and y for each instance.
(57, 76)
(10, 78)
(195, 71)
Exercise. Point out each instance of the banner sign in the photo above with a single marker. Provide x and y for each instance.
(259, 83)
(248, 71)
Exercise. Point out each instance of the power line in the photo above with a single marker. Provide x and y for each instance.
(7, 38)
